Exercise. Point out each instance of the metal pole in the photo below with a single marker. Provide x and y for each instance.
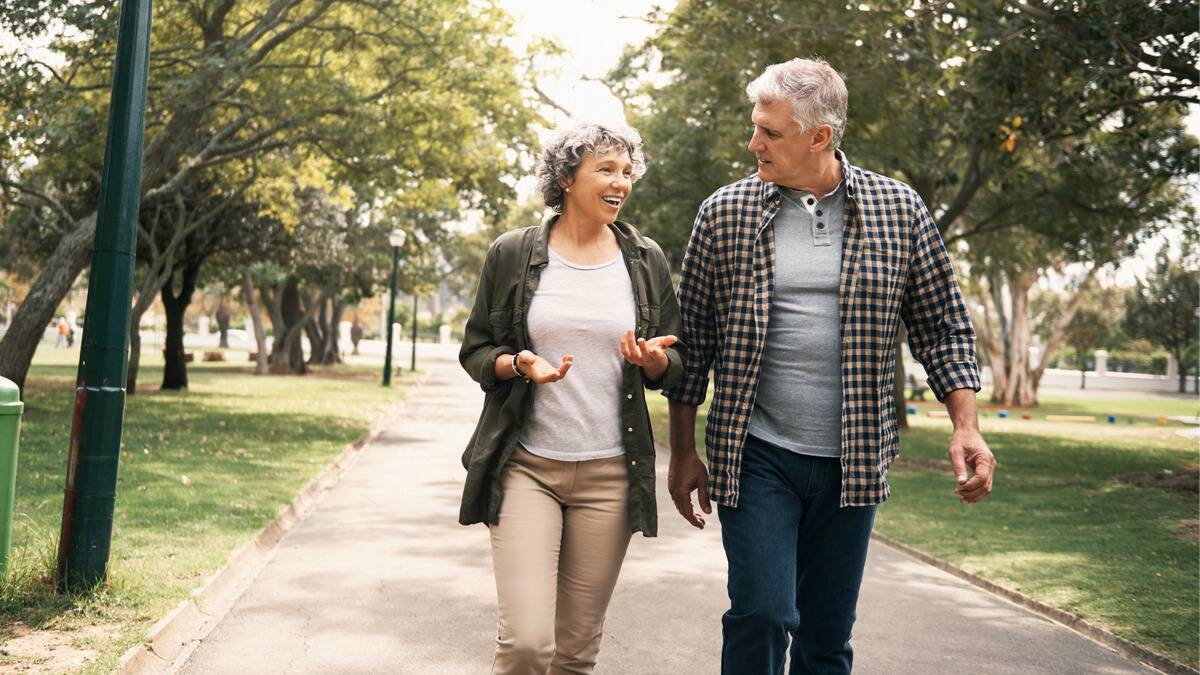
(100, 383)
(391, 320)
(414, 332)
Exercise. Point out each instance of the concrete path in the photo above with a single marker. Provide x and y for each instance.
(382, 579)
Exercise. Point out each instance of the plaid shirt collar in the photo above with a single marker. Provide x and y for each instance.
(770, 192)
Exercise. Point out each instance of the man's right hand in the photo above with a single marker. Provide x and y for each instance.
(686, 473)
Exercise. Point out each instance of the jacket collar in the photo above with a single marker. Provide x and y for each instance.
(631, 243)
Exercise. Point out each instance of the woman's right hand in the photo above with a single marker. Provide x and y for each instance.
(539, 369)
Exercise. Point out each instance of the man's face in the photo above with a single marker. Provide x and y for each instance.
(785, 153)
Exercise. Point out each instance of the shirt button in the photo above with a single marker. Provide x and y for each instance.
(628, 395)
(633, 463)
(629, 429)
(820, 212)
(820, 226)
(810, 201)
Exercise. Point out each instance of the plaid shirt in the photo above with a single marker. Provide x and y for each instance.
(894, 265)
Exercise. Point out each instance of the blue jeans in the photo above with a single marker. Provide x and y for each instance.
(795, 565)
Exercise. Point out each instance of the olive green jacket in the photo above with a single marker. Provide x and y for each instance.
(497, 326)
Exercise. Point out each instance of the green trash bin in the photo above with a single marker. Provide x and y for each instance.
(10, 437)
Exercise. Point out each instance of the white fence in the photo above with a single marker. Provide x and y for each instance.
(1102, 378)
(1099, 379)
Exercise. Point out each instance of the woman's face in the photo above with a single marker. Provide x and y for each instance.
(601, 185)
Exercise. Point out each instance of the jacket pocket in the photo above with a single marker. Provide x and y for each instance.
(501, 321)
(648, 321)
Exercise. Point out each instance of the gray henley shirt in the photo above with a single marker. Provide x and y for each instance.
(798, 405)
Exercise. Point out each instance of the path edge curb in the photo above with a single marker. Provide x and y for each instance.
(1120, 645)
(178, 632)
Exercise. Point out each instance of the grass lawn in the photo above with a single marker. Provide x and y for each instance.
(1083, 516)
(201, 471)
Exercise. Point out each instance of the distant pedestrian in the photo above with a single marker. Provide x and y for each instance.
(70, 335)
(63, 330)
(561, 467)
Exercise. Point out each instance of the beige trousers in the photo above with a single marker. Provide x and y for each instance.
(557, 551)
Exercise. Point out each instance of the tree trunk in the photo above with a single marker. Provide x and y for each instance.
(1020, 332)
(150, 287)
(1014, 379)
(260, 337)
(1183, 369)
(996, 283)
(222, 316)
(270, 297)
(135, 358)
(287, 354)
(174, 359)
(72, 254)
(316, 331)
(992, 348)
(333, 353)
(325, 332)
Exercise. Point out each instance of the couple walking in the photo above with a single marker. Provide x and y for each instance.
(792, 285)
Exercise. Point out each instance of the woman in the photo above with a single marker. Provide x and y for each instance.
(561, 465)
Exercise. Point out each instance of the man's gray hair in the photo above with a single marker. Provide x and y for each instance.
(561, 157)
(815, 90)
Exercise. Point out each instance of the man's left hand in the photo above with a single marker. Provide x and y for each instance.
(969, 451)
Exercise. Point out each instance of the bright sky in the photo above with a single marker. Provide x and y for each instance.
(593, 33)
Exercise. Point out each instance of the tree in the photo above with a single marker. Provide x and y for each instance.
(198, 221)
(398, 91)
(1094, 326)
(1090, 326)
(1164, 308)
(1083, 207)
(249, 296)
(223, 317)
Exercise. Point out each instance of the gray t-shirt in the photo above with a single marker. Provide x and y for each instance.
(798, 404)
(582, 311)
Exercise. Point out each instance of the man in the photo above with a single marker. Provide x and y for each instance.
(794, 281)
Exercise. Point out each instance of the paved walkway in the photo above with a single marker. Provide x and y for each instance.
(382, 579)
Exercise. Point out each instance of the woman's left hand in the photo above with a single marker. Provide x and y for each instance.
(649, 354)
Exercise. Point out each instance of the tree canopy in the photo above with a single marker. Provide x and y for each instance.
(390, 98)
(1164, 308)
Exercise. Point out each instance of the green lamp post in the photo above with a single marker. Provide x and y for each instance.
(96, 428)
(396, 239)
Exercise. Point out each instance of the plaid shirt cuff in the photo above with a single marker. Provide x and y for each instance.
(691, 390)
(952, 376)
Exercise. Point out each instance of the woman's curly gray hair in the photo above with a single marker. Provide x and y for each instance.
(561, 157)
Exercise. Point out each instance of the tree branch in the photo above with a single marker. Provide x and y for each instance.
(54, 203)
